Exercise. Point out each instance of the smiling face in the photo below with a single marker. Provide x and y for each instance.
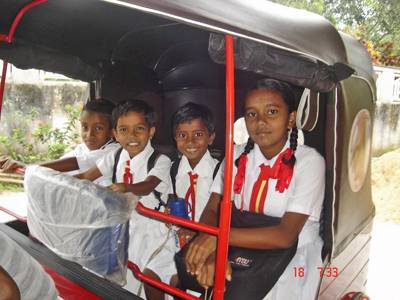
(192, 140)
(268, 120)
(133, 132)
(95, 129)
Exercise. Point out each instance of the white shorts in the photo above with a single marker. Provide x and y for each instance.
(151, 246)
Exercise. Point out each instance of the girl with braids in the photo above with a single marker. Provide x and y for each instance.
(273, 177)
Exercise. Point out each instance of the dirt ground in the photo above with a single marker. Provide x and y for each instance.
(385, 175)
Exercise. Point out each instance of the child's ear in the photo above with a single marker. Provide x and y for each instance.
(211, 139)
(292, 120)
(114, 133)
(152, 132)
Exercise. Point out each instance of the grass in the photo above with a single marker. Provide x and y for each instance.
(10, 187)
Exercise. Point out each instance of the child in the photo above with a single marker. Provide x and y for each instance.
(97, 137)
(192, 175)
(151, 245)
(293, 192)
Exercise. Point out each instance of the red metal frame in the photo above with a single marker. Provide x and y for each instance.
(158, 284)
(15, 215)
(222, 232)
(9, 38)
(176, 220)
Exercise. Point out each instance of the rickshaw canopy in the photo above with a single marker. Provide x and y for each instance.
(79, 38)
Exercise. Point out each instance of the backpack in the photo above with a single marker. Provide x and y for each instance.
(174, 171)
(150, 165)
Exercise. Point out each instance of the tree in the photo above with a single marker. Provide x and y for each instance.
(374, 22)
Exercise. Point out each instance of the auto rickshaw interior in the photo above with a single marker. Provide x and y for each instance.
(141, 55)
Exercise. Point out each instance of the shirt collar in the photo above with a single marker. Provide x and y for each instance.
(111, 141)
(141, 158)
(202, 167)
(259, 158)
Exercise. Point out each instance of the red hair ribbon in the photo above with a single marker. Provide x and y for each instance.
(285, 171)
(240, 174)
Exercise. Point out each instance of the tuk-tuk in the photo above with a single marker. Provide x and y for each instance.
(204, 52)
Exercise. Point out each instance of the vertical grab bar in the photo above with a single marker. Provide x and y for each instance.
(222, 232)
(9, 38)
(225, 209)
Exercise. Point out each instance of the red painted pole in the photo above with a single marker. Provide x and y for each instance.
(9, 38)
(3, 84)
(158, 284)
(225, 212)
(15, 215)
(19, 16)
(176, 220)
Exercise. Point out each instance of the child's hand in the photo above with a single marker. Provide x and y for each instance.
(199, 251)
(118, 187)
(8, 165)
(206, 275)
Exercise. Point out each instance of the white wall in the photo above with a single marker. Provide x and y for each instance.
(387, 84)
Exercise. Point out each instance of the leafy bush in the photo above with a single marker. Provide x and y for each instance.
(32, 143)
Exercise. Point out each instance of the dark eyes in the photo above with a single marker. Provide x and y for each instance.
(137, 129)
(97, 128)
(268, 112)
(181, 136)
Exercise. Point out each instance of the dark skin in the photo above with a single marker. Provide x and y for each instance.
(95, 132)
(267, 121)
(8, 288)
(133, 133)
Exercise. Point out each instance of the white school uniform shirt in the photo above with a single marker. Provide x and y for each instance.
(305, 195)
(87, 159)
(205, 170)
(146, 235)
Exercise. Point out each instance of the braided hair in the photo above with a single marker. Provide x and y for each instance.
(287, 94)
(249, 146)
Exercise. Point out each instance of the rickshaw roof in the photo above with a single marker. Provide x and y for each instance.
(79, 34)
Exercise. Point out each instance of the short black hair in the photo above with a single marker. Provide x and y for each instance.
(191, 111)
(101, 106)
(134, 105)
(283, 88)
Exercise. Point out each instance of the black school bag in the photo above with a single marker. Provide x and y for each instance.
(254, 272)
(150, 165)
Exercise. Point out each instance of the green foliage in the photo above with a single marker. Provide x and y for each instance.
(26, 145)
(375, 23)
(11, 187)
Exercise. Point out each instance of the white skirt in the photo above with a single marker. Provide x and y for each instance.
(301, 278)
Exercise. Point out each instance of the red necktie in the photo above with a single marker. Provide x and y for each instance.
(191, 192)
(260, 187)
(128, 178)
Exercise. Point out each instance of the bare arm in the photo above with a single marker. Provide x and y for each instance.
(8, 287)
(63, 165)
(8, 165)
(204, 244)
(142, 188)
(91, 174)
(280, 236)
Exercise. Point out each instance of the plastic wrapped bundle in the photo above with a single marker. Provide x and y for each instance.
(80, 221)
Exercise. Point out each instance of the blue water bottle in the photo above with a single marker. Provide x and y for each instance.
(178, 208)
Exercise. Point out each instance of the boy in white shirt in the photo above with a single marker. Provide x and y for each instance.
(97, 137)
(192, 175)
(151, 245)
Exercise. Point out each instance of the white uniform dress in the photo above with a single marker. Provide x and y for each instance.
(205, 170)
(146, 235)
(87, 158)
(32, 281)
(305, 196)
